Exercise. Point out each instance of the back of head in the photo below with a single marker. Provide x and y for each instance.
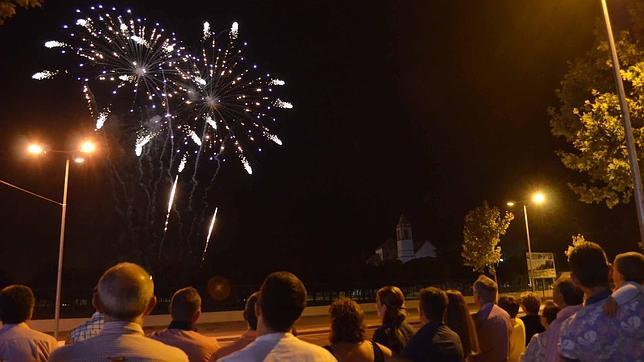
(249, 311)
(486, 289)
(459, 320)
(510, 305)
(433, 303)
(125, 291)
(394, 299)
(347, 321)
(282, 299)
(185, 305)
(631, 266)
(16, 304)
(588, 265)
(531, 303)
(549, 312)
(566, 290)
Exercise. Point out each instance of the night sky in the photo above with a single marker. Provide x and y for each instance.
(425, 108)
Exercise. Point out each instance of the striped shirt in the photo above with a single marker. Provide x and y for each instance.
(119, 341)
(91, 328)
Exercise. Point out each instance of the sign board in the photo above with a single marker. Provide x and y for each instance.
(541, 265)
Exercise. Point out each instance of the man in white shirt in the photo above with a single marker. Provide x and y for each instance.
(125, 295)
(282, 299)
(18, 342)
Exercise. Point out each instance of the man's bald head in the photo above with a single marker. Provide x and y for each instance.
(125, 291)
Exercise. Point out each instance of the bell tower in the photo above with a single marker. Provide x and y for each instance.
(404, 240)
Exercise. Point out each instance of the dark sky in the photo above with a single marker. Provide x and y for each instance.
(425, 108)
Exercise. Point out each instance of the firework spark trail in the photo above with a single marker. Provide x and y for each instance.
(212, 225)
(173, 190)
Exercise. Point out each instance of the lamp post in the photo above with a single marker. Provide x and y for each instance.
(626, 118)
(538, 198)
(87, 147)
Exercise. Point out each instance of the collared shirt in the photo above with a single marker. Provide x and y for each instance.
(198, 347)
(434, 342)
(90, 328)
(554, 330)
(494, 329)
(244, 340)
(280, 347)
(590, 334)
(119, 341)
(19, 343)
(630, 320)
(517, 340)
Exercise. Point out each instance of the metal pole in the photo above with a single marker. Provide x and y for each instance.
(628, 133)
(529, 258)
(59, 275)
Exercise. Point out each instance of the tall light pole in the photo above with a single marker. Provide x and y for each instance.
(86, 147)
(626, 118)
(537, 198)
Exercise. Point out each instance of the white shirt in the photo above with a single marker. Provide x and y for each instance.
(20, 343)
(280, 347)
(119, 341)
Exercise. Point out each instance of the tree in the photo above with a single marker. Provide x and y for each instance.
(589, 118)
(8, 7)
(482, 232)
(576, 241)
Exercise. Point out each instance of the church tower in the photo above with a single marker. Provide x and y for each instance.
(404, 240)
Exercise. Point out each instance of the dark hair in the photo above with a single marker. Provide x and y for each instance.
(631, 266)
(459, 319)
(486, 288)
(185, 304)
(570, 293)
(347, 322)
(394, 299)
(433, 303)
(589, 265)
(249, 311)
(282, 299)
(550, 311)
(510, 305)
(530, 302)
(16, 304)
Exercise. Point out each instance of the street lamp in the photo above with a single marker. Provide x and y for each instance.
(628, 132)
(86, 147)
(537, 198)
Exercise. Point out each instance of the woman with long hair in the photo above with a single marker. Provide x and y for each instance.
(459, 319)
(394, 332)
(347, 336)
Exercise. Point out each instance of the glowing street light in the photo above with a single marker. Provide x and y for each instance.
(87, 147)
(79, 159)
(35, 149)
(537, 198)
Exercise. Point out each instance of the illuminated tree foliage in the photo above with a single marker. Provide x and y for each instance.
(8, 7)
(576, 241)
(482, 232)
(589, 118)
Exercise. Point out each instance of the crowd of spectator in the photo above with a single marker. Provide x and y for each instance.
(585, 321)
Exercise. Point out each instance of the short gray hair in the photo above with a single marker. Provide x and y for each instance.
(125, 291)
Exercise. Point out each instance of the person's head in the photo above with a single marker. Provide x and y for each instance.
(432, 305)
(282, 299)
(530, 303)
(126, 292)
(566, 293)
(510, 305)
(249, 311)
(588, 265)
(16, 304)
(390, 303)
(628, 267)
(549, 314)
(185, 305)
(485, 290)
(459, 320)
(347, 322)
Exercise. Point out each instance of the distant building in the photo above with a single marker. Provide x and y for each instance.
(404, 248)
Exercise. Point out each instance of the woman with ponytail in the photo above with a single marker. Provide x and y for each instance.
(394, 332)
